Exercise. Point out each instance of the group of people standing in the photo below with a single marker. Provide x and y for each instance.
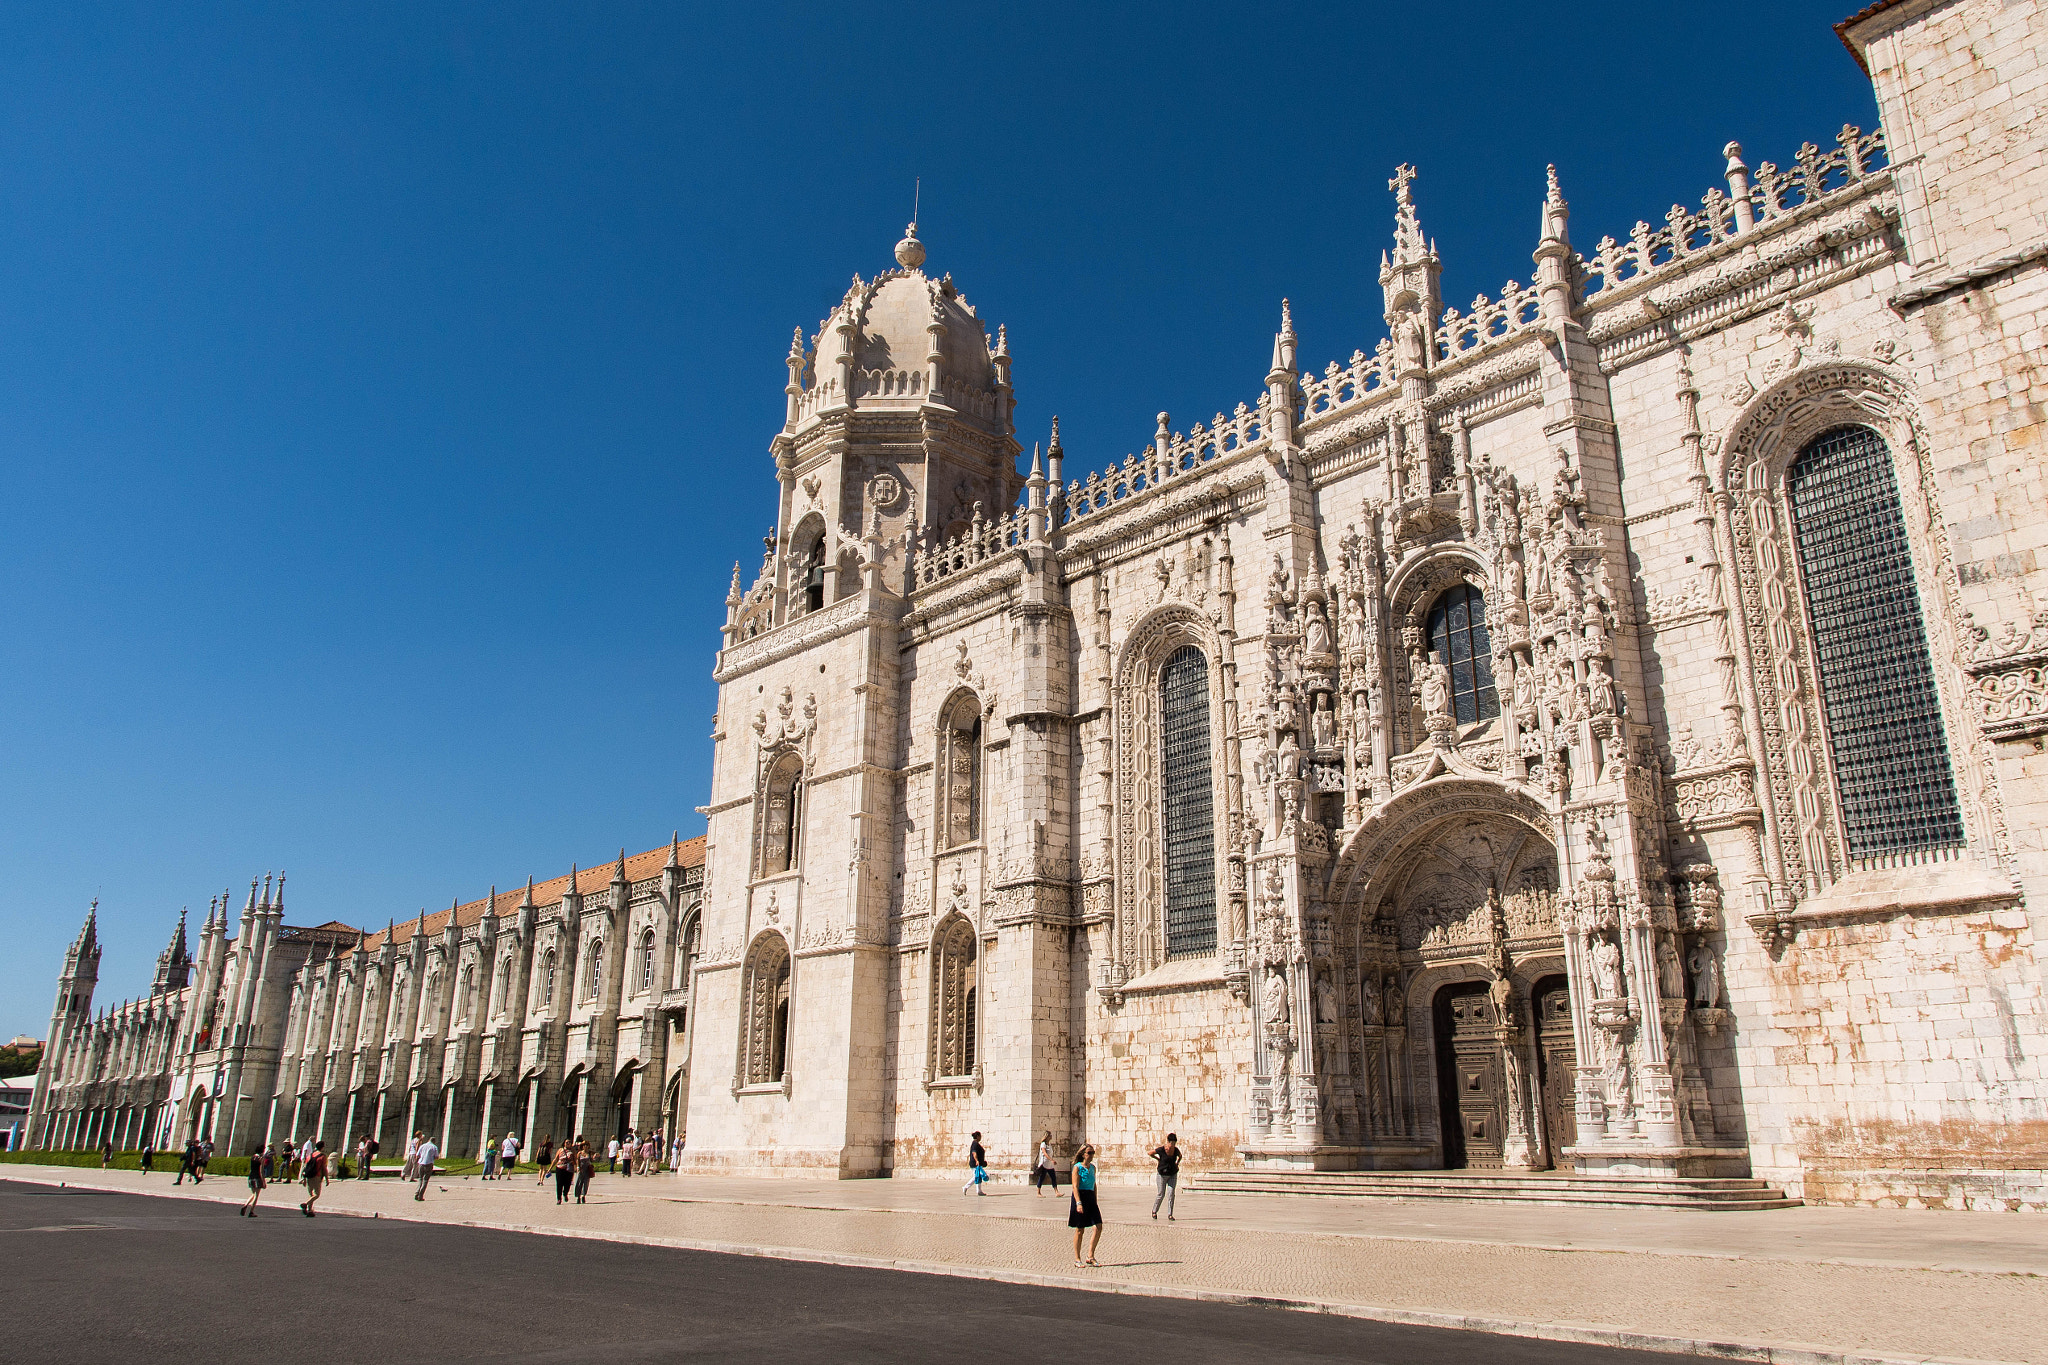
(308, 1164)
(1084, 1212)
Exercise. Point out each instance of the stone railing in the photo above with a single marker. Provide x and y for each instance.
(1170, 456)
(1342, 386)
(1747, 204)
(1487, 321)
(981, 541)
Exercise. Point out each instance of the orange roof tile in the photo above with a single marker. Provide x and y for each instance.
(589, 881)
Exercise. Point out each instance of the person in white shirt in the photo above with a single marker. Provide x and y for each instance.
(508, 1155)
(423, 1161)
(412, 1154)
(611, 1156)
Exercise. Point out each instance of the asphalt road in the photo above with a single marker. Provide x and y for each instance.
(115, 1277)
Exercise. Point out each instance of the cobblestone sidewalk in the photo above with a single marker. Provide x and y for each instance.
(1840, 1285)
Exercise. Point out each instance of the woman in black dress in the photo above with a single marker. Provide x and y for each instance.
(1082, 1212)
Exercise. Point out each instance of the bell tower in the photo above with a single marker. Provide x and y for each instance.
(72, 1011)
(898, 428)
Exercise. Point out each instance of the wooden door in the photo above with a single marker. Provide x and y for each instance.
(1557, 1060)
(1472, 1100)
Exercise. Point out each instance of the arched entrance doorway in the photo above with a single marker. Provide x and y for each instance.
(1447, 926)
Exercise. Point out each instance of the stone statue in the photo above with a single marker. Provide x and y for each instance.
(1326, 999)
(1514, 578)
(1436, 688)
(1396, 1003)
(1286, 716)
(1316, 637)
(1275, 997)
(1599, 687)
(1525, 692)
(1706, 977)
(1325, 724)
(1354, 626)
(1369, 1001)
(1606, 955)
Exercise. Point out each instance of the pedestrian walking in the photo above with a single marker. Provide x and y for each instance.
(1167, 1154)
(188, 1162)
(611, 1156)
(148, 1156)
(266, 1157)
(650, 1154)
(586, 1166)
(205, 1155)
(305, 1154)
(106, 1154)
(544, 1159)
(314, 1177)
(1082, 1211)
(490, 1160)
(412, 1152)
(369, 1151)
(423, 1159)
(977, 1163)
(508, 1155)
(258, 1178)
(1043, 1172)
(565, 1171)
(631, 1145)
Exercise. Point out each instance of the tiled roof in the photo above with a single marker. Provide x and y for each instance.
(589, 881)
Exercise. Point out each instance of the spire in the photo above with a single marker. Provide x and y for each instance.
(491, 902)
(265, 903)
(277, 902)
(88, 933)
(796, 350)
(1409, 246)
(1284, 343)
(178, 950)
(619, 874)
(527, 903)
(250, 908)
(674, 850)
(1555, 210)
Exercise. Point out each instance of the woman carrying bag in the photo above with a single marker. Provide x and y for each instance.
(1082, 1212)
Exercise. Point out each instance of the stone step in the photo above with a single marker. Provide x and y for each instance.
(1498, 1188)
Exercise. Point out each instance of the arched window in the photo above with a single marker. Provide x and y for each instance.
(960, 771)
(464, 993)
(782, 825)
(647, 960)
(504, 984)
(686, 956)
(764, 1041)
(596, 969)
(953, 1021)
(1188, 804)
(547, 979)
(1870, 646)
(1457, 636)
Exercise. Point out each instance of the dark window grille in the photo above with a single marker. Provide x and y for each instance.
(1457, 635)
(1870, 646)
(1190, 813)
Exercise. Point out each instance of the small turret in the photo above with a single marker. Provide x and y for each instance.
(174, 963)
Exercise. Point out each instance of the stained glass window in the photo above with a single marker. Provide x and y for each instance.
(1870, 646)
(1189, 805)
(1457, 636)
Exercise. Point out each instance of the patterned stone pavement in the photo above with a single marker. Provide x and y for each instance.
(1836, 1282)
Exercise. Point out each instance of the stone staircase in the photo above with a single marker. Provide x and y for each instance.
(1500, 1187)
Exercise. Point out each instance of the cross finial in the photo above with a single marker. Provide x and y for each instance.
(1404, 175)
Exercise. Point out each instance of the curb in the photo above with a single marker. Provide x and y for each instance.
(1582, 1333)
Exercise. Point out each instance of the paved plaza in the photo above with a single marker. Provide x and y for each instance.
(119, 1277)
(1834, 1283)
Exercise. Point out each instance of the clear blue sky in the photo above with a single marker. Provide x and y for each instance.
(385, 394)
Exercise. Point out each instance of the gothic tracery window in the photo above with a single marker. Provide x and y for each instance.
(1457, 636)
(647, 960)
(547, 979)
(764, 1041)
(596, 969)
(782, 824)
(953, 1000)
(960, 771)
(1188, 807)
(1891, 757)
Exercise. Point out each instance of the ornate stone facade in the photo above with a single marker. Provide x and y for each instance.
(1527, 826)
(1599, 727)
(561, 1009)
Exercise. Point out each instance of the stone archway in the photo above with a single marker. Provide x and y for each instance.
(1447, 919)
